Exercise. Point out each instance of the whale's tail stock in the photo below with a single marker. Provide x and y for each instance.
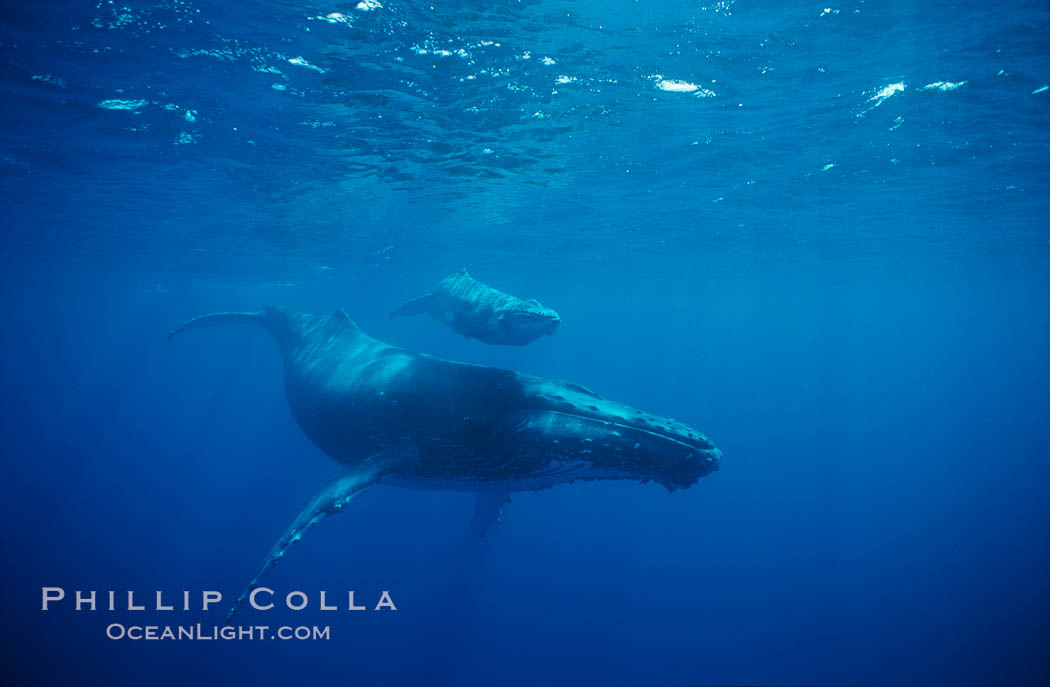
(219, 319)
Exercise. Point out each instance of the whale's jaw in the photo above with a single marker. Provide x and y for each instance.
(535, 449)
(615, 441)
(567, 446)
(557, 432)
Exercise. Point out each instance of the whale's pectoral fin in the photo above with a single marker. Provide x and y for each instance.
(417, 306)
(330, 500)
(487, 511)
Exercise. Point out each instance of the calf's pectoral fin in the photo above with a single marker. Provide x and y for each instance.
(330, 500)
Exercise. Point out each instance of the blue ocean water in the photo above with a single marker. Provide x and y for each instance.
(819, 233)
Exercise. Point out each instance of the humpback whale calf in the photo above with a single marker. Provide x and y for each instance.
(478, 311)
(397, 417)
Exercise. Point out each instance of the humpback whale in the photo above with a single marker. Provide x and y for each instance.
(478, 311)
(392, 416)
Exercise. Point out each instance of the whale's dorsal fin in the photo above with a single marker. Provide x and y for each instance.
(342, 316)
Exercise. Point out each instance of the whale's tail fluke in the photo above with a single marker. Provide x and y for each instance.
(416, 306)
(219, 319)
(420, 306)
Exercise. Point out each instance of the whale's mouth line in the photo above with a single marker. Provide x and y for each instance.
(614, 450)
(631, 428)
(628, 434)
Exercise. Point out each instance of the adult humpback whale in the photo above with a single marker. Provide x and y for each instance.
(416, 421)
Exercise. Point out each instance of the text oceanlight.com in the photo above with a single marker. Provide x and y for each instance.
(197, 632)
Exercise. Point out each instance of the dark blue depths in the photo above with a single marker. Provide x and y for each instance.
(817, 234)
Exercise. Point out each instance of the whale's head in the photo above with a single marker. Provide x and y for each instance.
(530, 319)
(587, 436)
